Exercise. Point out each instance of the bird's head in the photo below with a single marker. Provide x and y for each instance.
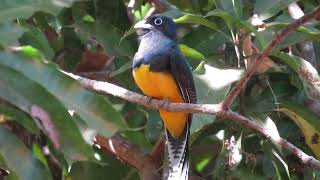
(156, 23)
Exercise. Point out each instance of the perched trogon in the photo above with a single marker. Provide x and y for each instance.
(162, 72)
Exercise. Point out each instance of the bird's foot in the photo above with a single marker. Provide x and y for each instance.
(165, 103)
(149, 100)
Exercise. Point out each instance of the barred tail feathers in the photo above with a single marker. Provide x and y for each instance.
(177, 154)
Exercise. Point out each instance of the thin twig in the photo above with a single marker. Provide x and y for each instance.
(273, 43)
(212, 109)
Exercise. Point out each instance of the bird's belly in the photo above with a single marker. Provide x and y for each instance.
(161, 85)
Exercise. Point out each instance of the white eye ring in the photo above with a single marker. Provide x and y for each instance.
(158, 21)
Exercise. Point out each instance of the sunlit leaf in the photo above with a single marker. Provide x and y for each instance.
(308, 123)
(211, 88)
(188, 52)
(268, 124)
(37, 39)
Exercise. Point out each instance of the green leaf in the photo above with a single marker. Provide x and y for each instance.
(205, 41)
(109, 167)
(9, 34)
(56, 122)
(307, 73)
(266, 122)
(188, 52)
(154, 126)
(248, 174)
(10, 10)
(211, 89)
(9, 113)
(109, 36)
(224, 15)
(88, 18)
(267, 9)
(231, 7)
(219, 169)
(281, 163)
(309, 30)
(193, 19)
(19, 159)
(138, 138)
(268, 167)
(270, 97)
(37, 39)
(85, 170)
(31, 52)
(121, 70)
(112, 12)
(94, 109)
(307, 121)
(301, 34)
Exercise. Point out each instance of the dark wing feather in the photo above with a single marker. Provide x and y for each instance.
(182, 73)
(177, 149)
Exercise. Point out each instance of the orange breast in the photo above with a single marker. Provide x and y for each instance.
(162, 85)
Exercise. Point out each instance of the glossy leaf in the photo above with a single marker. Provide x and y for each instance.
(67, 135)
(190, 53)
(211, 88)
(94, 109)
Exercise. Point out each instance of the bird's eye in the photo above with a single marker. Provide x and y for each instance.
(158, 21)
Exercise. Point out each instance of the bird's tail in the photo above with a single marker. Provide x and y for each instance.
(177, 155)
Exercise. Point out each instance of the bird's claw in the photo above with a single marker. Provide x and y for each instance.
(149, 100)
(165, 103)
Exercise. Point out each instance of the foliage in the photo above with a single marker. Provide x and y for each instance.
(48, 120)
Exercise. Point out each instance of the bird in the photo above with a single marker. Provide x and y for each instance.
(162, 72)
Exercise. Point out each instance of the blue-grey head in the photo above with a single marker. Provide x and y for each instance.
(156, 23)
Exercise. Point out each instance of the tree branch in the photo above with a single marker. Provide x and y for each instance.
(130, 154)
(212, 109)
(273, 43)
